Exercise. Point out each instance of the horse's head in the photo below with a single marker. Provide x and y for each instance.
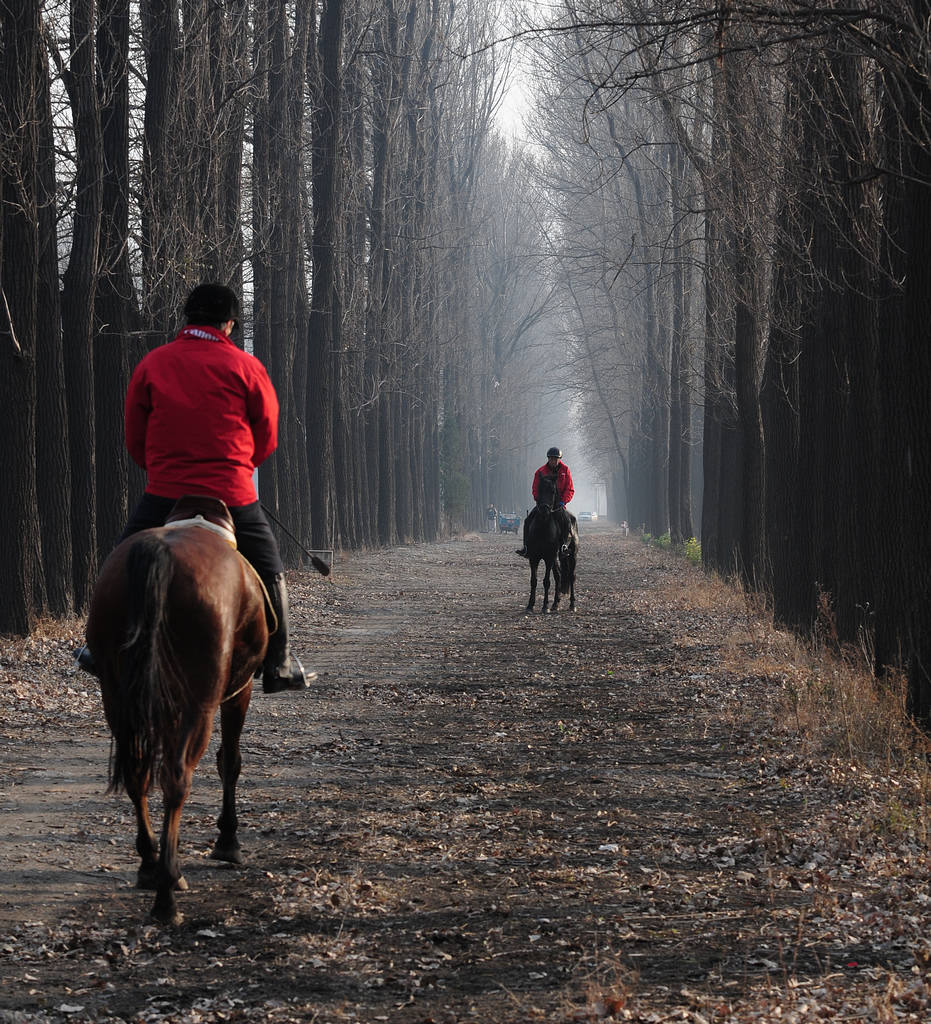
(546, 494)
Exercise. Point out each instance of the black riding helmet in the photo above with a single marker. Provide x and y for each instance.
(554, 453)
(212, 304)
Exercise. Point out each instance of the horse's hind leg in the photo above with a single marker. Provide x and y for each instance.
(165, 909)
(137, 790)
(229, 765)
(176, 775)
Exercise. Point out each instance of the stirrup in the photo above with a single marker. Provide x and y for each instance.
(296, 679)
(522, 552)
(84, 659)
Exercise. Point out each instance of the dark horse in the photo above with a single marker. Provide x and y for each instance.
(177, 628)
(542, 535)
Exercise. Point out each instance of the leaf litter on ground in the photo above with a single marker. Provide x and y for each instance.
(480, 816)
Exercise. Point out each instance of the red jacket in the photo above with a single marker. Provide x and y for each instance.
(564, 487)
(201, 414)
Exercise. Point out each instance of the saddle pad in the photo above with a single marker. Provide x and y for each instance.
(201, 510)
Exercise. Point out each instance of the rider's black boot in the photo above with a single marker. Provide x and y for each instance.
(522, 550)
(281, 670)
(85, 659)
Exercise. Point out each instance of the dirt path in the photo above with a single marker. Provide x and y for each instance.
(475, 816)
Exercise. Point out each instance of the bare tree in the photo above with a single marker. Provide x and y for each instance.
(79, 287)
(115, 311)
(20, 556)
(53, 465)
(325, 324)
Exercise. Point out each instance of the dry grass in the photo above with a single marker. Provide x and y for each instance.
(827, 695)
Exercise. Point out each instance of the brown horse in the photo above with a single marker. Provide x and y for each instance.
(177, 628)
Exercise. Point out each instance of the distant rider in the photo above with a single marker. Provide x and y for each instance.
(554, 467)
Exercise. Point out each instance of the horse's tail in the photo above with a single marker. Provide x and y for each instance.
(147, 699)
(566, 568)
(567, 563)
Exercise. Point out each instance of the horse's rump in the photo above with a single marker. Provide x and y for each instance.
(167, 610)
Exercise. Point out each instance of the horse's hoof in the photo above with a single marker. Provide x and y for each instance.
(180, 885)
(145, 878)
(228, 854)
(169, 916)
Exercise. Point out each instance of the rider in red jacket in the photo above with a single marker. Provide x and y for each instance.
(554, 467)
(201, 414)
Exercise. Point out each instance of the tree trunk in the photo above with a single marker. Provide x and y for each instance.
(903, 621)
(20, 556)
(78, 297)
(162, 277)
(379, 364)
(115, 316)
(53, 467)
(324, 329)
(747, 341)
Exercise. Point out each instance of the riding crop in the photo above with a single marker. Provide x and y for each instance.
(318, 563)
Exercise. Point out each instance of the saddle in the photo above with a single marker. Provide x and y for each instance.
(201, 510)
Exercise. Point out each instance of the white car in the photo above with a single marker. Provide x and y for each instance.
(587, 517)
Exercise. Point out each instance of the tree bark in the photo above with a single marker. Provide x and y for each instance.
(53, 467)
(324, 335)
(78, 297)
(162, 277)
(20, 557)
(115, 315)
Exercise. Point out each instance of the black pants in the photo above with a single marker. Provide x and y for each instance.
(254, 536)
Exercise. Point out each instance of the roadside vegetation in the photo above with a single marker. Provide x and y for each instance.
(831, 700)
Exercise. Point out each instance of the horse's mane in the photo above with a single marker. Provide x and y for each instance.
(546, 491)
